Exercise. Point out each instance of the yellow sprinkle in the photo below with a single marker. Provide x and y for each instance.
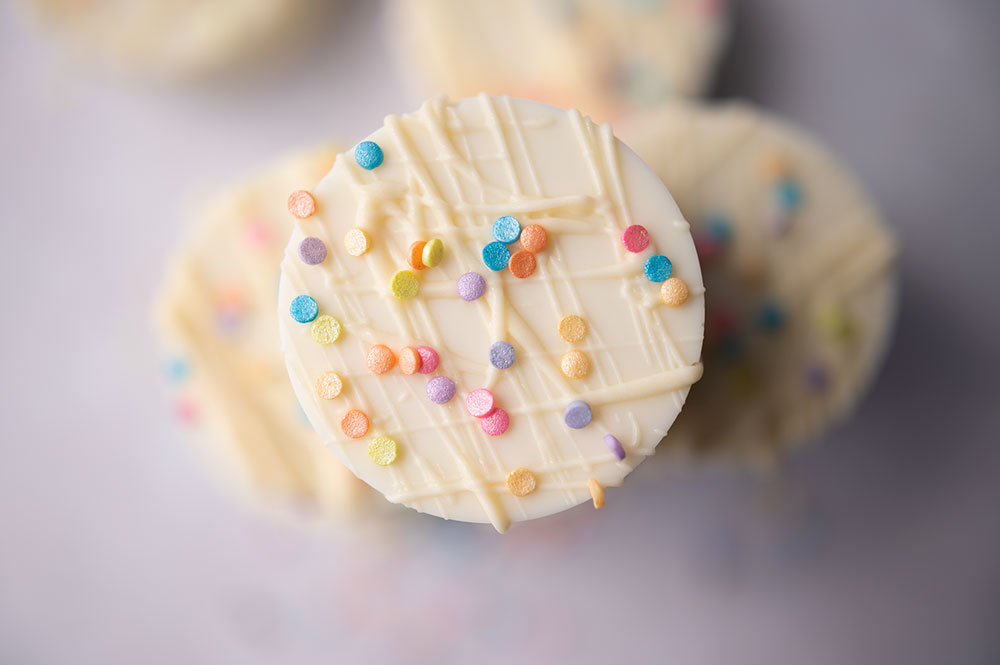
(575, 364)
(674, 292)
(433, 251)
(596, 492)
(572, 328)
(382, 450)
(329, 385)
(521, 482)
(405, 284)
(835, 322)
(325, 329)
(356, 242)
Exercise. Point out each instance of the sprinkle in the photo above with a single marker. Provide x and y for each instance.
(176, 369)
(707, 246)
(674, 292)
(428, 359)
(479, 402)
(354, 424)
(368, 155)
(382, 450)
(440, 389)
(521, 482)
(496, 255)
(577, 414)
(471, 286)
(657, 268)
(405, 284)
(301, 204)
(356, 242)
(774, 166)
(414, 253)
(257, 235)
(635, 238)
(770, 316)
(380, 359)
(329, 385)
(719, 228)
(788, 195)
(817, 378)
(304, 309)
(325, 329)
(312, 251)
(506, 229)
(186, 411)
(534, 238)
(596, 492)
(433, 252)
(575, 364)
(835, 322)
(572, 328)
(522, 264)
(615, 446)
(496, 423)
(501, 355)
(409, 360)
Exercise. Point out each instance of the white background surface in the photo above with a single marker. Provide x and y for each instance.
(880, 545)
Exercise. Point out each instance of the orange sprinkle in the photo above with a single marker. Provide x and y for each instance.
(596, 492)
(534, 238)
(354, 424)
(415, 252)
(301, 204)
(380, 359)
(409, 360)
(522, 264)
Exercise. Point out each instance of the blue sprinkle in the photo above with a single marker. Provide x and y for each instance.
(368, 155)
(658, 268)
(176, 369)
(719, 228)
(502, 355)
(577, 414)
(507, 229)
(496, 255)
(304, 309)
(770, 316)
(788, 195)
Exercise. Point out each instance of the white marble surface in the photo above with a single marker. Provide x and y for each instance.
(880, 545)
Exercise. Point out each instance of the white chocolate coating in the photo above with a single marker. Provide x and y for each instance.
(450, 170)
(829, 266)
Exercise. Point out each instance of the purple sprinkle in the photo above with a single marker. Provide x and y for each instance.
(615, 446)
(817, 378)
(577, 414)
(312, 251)
(471, 285)
(440, 389)
(501, 355)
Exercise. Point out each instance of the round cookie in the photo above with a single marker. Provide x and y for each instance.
(600, 56)
(800, 271)
(495, 432)
(215, 314)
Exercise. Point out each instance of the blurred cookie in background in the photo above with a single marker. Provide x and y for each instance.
(603, 57)
(799, 270)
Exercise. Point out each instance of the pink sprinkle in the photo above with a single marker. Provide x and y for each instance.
(186, 411)
(480, 402)
(257, 234)
(428, 359)
(635, 238)
(496, 423)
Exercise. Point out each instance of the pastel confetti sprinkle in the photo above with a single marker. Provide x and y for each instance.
(534, 238)
(506, 229)
(596, 492)
(774, 166)
(329, 385)
(835, 322)
(304, 309)
(496, 423)
(301, 204)
(657, 268)
(368, 155)
(415, 253)
(575, 364)
(719, 227)
(186, 411)
(312, 251)
(428, 359)
(382, 450)
(325, 329)
(501, 355)
(409, 360)
(405, 284)
(176, 370)
(635, 238)
(433, 253)
(440, 389)
(577, 414)
(522, 264)
(770, 316)
(354, 424)
(380, 359)
(496, 255)
(788, 195)
(479, 402)
(521, 482)
(674, 292)
(615, 446)
(572, 328)
(357, 242)
(817, 378)
(471, 286)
